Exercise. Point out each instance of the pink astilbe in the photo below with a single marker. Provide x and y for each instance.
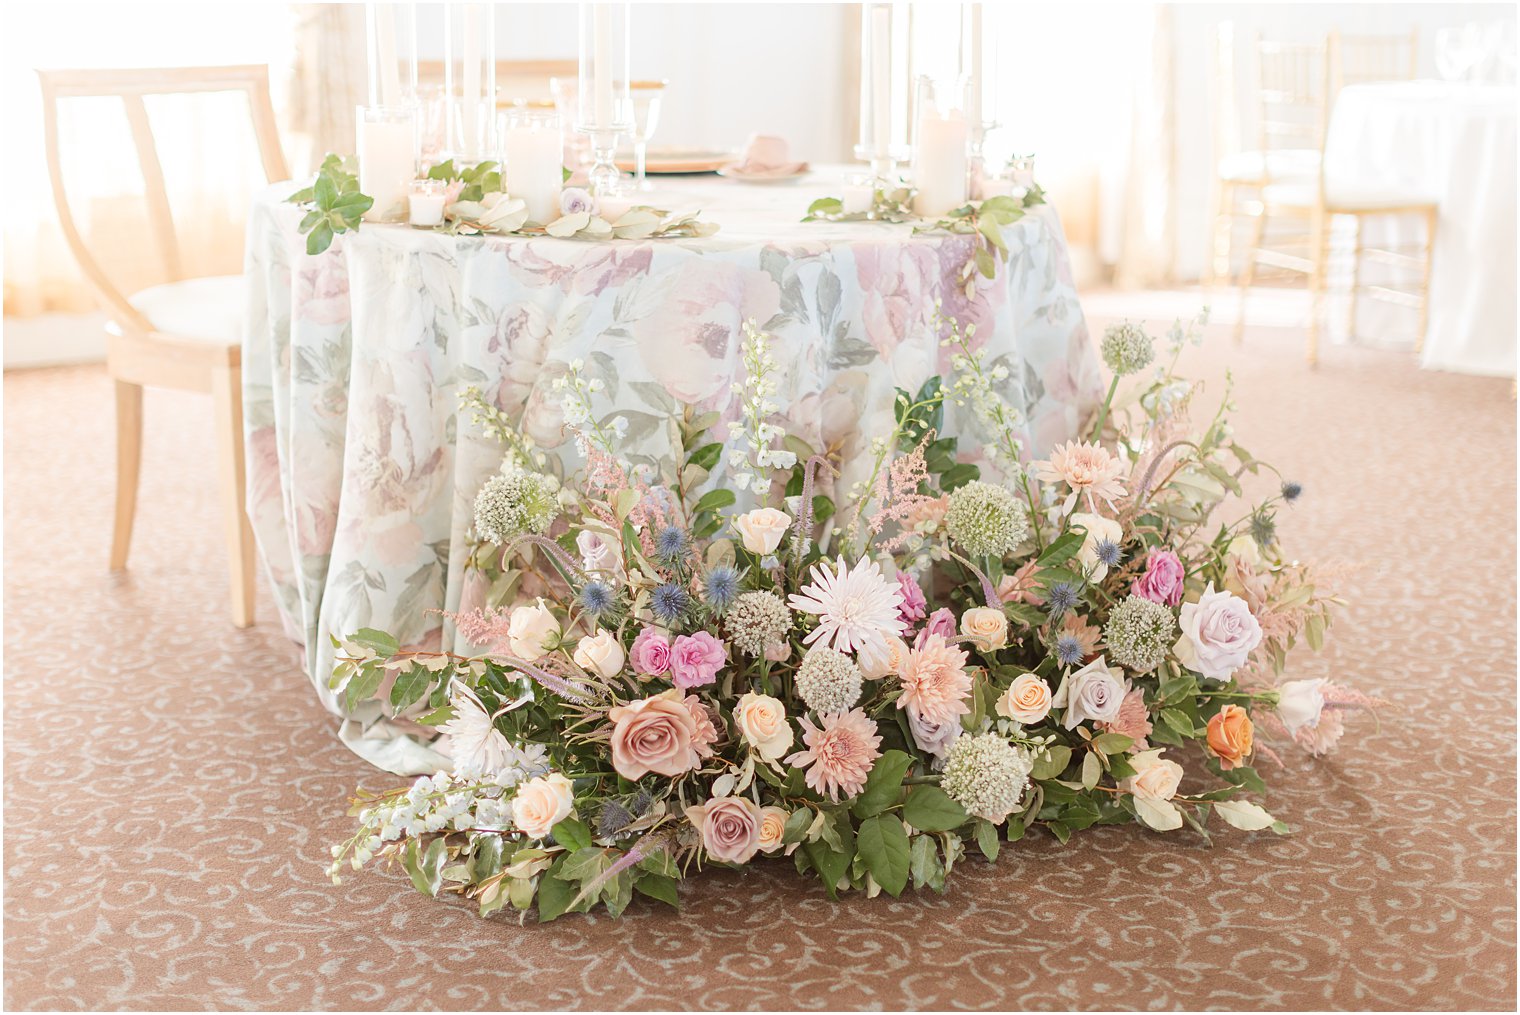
(897, 494)
(605, 479)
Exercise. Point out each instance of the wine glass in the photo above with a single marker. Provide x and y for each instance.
(646, 96)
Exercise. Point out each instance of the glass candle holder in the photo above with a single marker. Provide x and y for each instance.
(469, 80)
(645, 100)
(883, 96)
(1021, 168)
(533, 154)
(386, 140)
(859, 195)
(427, 197)
(940, 146)
(604, 106)
(391, 37)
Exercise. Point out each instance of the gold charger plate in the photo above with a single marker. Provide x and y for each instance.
(671, 161)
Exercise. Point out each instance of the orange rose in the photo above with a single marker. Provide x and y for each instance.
(1229, 736)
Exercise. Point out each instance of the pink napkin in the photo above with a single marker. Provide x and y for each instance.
(766, 156)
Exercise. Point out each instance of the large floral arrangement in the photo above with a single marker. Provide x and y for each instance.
(868, 684)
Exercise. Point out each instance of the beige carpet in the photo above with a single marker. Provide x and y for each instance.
(171, 784)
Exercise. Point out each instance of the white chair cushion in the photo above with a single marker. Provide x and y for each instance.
(208, 308)
(1287, 164)
(1343, 195)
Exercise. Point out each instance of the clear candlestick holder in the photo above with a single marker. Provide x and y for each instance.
(602, 95)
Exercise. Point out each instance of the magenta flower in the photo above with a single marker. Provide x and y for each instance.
(1162, 580)
(913, 605)
(941, 622)
(696, 659)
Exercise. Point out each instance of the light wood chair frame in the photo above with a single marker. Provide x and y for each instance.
(137, 354)
(1297, 87)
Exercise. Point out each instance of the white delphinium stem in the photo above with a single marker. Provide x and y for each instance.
(575, 394)
(752, 463)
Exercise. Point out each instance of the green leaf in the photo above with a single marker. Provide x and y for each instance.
(1061, 550)
(958, 476)
(830, 863)
(883, 785)
(796, 825)
(324, 192)
(825, 206)
(437, 717)
(410, 686)
(319, 239)
(713, 500)
(930, 809)
(554, 894)
(486, 860)
(571, 834)
(1178, 721)
(1112, 743)
(707, 456)
(1092, 770)
(381, 643)
(883, 845)
(658, 886)
(363, 684)
(987, 838)
(426, 873)
(1243, 815)
(1052, 763)
(923, 863)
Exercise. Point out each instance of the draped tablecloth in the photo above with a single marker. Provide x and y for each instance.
(1453, 142)
(362, 472)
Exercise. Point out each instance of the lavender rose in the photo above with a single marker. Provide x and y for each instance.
(730, 827)
(574, 200)
(1218, 634)
(932, 737)
(1093, 692)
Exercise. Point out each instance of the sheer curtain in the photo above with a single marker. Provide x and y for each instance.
(206, 147)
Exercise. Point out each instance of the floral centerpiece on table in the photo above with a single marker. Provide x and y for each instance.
(866, 686)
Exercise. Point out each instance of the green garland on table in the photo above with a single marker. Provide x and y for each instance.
(336, 205)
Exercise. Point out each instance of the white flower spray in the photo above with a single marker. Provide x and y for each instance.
(757, 456)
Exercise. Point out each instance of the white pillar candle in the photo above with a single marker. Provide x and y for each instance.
(533, 155)
(939, 161)
(470, 96)
(881, 83)
(601, 87)
(387, 164)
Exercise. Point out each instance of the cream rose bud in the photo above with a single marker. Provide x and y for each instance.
(602, 654)
(762, 529)
(542, 803)
(987, 627)
(1245, 548)
(1300, 704)
(1027, 700)
(762, 721)
(772, 828)
(530, 630)
(1155, 777)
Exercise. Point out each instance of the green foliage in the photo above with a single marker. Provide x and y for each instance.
(334, 204)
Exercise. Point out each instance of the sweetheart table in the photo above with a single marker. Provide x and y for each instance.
(362, 472)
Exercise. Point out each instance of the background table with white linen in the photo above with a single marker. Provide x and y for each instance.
(1454, 142)
(362, 473)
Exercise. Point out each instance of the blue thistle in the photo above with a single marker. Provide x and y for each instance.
(1068, 650)
(670, 545)
(1108, 553)
(669, 602)
(596, 599)
(612, 820)
(720, 588)
(1061, 597)
(1291, 491)
(1263, 529)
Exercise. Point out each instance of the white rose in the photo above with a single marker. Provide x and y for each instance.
(1218, 634)
(1246, 549)
(602, 654)
(987, 627)
(762, 529)
(530, 629)
(762, 721)
(1301, 703)
(542, 803)
(1093, 692)
(1153, 785)
(1098, 529)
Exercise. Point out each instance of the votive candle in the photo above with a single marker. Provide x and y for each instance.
(426, 206)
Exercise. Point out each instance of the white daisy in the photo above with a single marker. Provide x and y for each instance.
(856, 610)
(477, 747)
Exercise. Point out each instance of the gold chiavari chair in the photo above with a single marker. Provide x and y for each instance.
(1298, 85)
(185, 333)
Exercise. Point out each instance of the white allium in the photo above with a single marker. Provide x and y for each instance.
(756, 621)
(987, 775)
(828, 681)
(1127, 349)
(985, 519)
(1139, 632)
(513, 502)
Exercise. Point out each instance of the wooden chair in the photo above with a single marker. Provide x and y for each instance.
(1298, 85)
(186, 333)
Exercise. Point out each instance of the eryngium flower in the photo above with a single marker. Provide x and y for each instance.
(1138, 633)
(986, 775)
(828, 681)
(1127, 349)
(670, 545)
(985, 519)
(668, 602)
(512, 503)
(1291, 491)
(596, 598)
(756, 621)
(719, 587)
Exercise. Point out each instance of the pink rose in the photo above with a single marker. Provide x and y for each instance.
(913, 601)
(1218, 634)
(1162, 580)
(696, 659)
(941, 622)
(730, 827)
(651, 653)
(653, 735)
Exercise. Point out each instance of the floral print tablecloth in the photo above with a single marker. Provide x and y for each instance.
(362, 473)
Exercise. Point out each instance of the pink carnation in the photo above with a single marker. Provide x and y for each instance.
(1162, 580)
(651, 653)
(696, 659)
(704, 733)
(1133, 721)
(913, 601)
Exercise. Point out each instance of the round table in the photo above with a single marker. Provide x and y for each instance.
(1453, 142)
(362, 474)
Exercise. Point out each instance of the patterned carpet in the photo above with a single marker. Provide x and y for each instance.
(171, 784)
